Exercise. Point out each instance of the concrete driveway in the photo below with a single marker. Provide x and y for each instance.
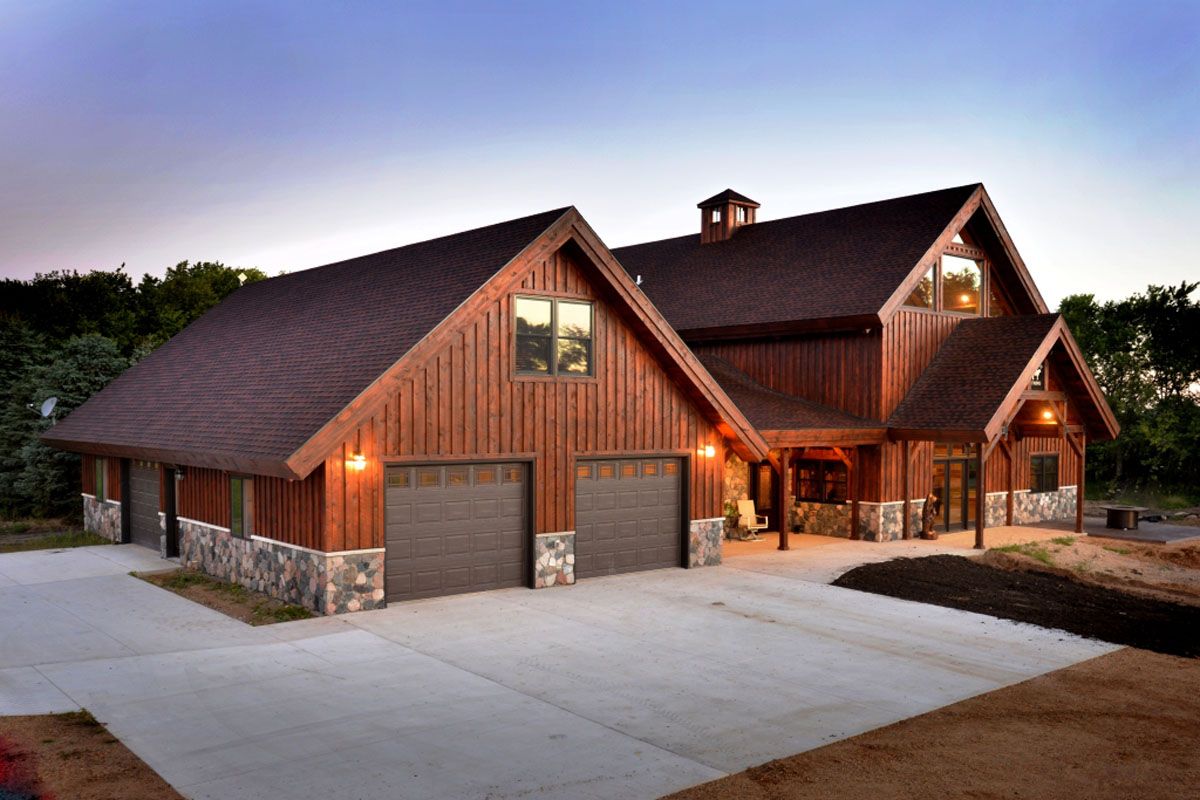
(631, 686)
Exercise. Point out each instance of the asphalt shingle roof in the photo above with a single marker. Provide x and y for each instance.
(841, 263)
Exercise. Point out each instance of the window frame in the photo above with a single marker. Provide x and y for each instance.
(246, 515)
(553, 371)
(828, 473)
(1039, 471)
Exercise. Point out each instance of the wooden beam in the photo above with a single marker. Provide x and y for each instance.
(856, 490)
(1012, 480)
(785, 496)
(980, 495)
(965, 251)
(1079, 488)
(906, 526)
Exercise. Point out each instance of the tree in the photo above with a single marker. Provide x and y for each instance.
(169, 305)
(48, 483)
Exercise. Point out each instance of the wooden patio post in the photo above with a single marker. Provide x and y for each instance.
(1012, 484)
(1079, 483)
(906, 526)
(785, 495)
(980, 494)
(856, 492)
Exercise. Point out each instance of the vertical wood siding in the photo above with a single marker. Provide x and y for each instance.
(291, 511)
(840, 370)
(203, 495)
(463, 401)
(87, 470)
(910, 341)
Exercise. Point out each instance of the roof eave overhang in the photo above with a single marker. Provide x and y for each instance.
(229, 462)
(815, 437)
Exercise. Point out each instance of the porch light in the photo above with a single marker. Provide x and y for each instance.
(1047, 414)
(708, 451)
(356, 462)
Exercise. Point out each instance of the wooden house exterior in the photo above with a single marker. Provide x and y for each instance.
(519, 406)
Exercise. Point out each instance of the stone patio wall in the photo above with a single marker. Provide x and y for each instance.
(1030, 508)
(327, 583)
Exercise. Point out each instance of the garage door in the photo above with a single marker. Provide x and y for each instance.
(627, 515)
(455, 528)
(143, 504)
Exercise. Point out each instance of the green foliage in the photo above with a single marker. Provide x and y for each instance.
(1032, 549)
(1145, 353)
(1064, 541)
(53, 541)
(67, 334)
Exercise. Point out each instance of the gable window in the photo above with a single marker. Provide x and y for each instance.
(922, 294)
(241, 497)
(554, 337)
(101, 469)
(1043, 474)
(821, 481)
(961, 280)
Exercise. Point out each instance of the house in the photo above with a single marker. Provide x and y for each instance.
(519, 406)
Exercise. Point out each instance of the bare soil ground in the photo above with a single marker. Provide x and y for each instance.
(1038, 597)
(1117, 727)
(230, 599)
(71, 757)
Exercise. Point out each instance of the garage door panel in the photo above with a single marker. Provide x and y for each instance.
(144, 526)
(629, 520)
(463, 525)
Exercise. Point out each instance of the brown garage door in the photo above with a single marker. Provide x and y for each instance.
(143, 504)
(627, 515)
(455, 528)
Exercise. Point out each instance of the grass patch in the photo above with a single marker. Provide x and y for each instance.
(232, 599)
(1033, 550)
(1121, 551)
(1064, 541)
(52, 541)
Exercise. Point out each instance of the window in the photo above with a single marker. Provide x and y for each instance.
(922, 294)
(1043, 474)
(715, 215)
(101, 469)
(1039, 377)
(997, 305)
(241, 496)
(961, 279)
(554, 337)
(821, 481)
(741, 214)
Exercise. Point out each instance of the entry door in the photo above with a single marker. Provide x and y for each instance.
(627, 515)
(144, 526)
(954, 483)
(454, 528)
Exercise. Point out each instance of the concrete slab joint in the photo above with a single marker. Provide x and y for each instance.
(553, 559)
(327, 583)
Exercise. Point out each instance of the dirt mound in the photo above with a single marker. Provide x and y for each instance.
(1040, 598)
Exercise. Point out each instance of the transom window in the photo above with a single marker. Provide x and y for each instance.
(554, 337)
(1043, 473)
(821, 481)
(241, 498)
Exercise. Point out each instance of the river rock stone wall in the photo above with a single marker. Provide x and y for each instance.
(327, 583)
(1030, 508)
(704, 542)
(737, 480)
(102, 517)
(826, 519)
(553, 559)
(884, 522)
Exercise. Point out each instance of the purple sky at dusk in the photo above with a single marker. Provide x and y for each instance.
(286, 135)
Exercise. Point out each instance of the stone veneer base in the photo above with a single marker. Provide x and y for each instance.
(1029, 507)
(102, 517)
(553, 559)
(327, 583)
(704, 542)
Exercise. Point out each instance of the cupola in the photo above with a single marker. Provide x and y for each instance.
(724, 213)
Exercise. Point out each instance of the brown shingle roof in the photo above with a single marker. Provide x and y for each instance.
(258, 375)
(841, 263)
(965, 385)
(724, 197)
(768, 409)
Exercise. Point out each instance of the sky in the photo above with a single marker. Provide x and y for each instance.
(285, 135)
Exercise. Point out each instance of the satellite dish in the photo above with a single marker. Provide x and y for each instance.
(48, 406)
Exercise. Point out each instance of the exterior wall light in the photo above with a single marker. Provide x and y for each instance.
(708, 451)
(356, 462)
(1047, 414)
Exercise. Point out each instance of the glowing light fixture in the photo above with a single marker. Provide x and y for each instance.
(708, 451)
(964, 298)
(1047, 414)
(356, 462)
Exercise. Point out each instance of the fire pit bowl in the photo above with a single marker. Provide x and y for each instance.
(1122, 518)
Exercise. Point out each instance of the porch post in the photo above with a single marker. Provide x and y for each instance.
(980, 494)
(785, 495)
(906, 526)
(1012, 483)
(1079, 483)
(855, 492)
